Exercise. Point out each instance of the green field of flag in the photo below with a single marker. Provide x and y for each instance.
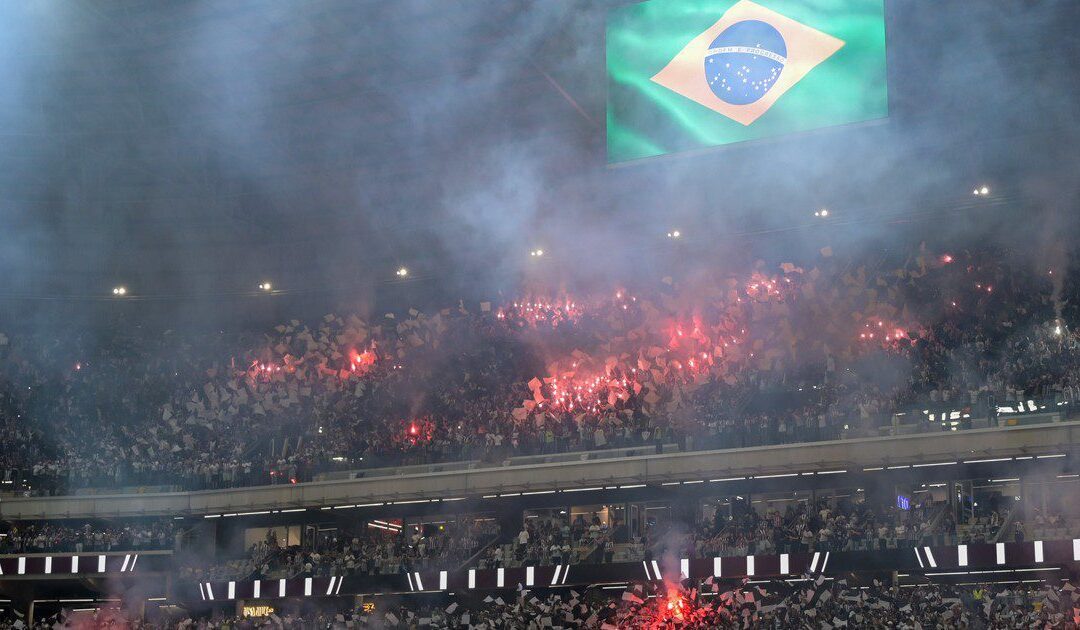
(690, 74)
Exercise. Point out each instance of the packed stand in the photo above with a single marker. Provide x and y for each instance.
(768, 356)
(381, 548)
(547, 541)
(822, 604)
(258, 560)
(1056, 517)
(840, 525)
(40, 537)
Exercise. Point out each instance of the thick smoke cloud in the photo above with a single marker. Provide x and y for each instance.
(197, 148)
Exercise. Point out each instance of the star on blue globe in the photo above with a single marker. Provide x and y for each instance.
(745, 61)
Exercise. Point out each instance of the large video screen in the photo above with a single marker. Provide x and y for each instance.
(690, 74)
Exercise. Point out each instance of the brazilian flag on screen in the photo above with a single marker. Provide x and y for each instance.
(689, 74)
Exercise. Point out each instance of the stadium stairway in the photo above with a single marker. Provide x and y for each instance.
(471, 560)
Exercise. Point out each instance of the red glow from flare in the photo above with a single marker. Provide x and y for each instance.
(889, 335)
(587, 394)
(263, 370)
(362, 362)
(541, 311)
(418, 431)
(764, 288)
(676, 608)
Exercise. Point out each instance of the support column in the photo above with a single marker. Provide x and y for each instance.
(511, 522)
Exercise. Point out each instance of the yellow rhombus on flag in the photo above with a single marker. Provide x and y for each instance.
(798, 50)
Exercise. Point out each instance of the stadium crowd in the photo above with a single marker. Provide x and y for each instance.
(36, 537)
(829, 524)
(763, 358)
(824, 604)
(825, 526)
(388, 551)
(382, 547)
(546, 541)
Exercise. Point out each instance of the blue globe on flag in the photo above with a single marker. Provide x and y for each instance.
(745, 61)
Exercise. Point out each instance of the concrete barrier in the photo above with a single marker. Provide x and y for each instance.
(1049, 438)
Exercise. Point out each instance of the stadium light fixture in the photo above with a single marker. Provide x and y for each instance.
(119, 291)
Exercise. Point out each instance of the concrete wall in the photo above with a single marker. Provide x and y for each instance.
(1055, 437)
